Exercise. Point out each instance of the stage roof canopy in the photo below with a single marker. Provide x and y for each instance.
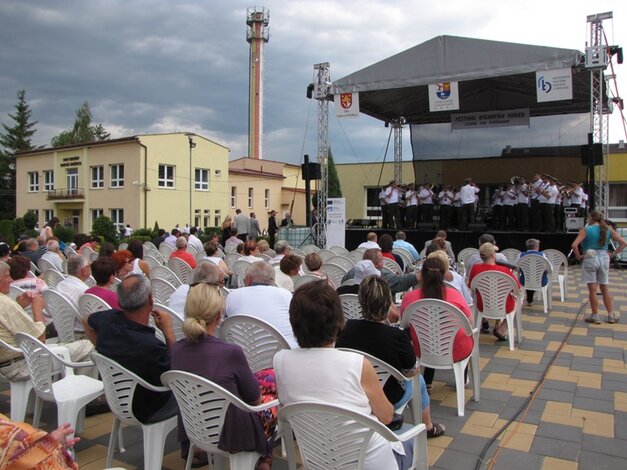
(492, 76)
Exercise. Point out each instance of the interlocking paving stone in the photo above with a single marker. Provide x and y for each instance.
(604, 445)
(559, 431)
(556, 395)
(597, 461)
(509, 459)
(554, 447)
(559, 385)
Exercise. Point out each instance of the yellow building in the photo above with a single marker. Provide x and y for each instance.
(261, 186)
(139, 180)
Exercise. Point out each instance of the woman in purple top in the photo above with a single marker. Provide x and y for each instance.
(203, 354)
(103, 270)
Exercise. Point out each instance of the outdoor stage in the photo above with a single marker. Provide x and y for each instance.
(463, 239)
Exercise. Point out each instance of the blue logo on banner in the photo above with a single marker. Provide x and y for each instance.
(544, 85)
(443, 90)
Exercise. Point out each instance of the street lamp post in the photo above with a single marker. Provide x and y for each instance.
(192, 145)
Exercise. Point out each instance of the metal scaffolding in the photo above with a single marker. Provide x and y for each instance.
(322, 87)
(398, 125)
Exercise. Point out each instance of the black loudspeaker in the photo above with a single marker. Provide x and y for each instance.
(592, 154)
(425, 226)
(477, 227)
(314, 171)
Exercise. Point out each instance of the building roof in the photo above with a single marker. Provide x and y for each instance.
(249, 172)
(122, 140)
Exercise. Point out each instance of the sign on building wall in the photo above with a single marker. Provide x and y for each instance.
(336, 222)
(554, 85)
(483, 119)
(346, 105)
(443, 96)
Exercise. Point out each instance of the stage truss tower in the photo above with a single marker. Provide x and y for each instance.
(322, 87)
(398, 125)
(597, 60)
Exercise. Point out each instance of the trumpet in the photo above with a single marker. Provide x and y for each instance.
(515, 180)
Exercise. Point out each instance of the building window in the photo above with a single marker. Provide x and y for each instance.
(33, 181)
(166, 176)
(202, 179)
(95, 213)
(117, 176)
(217, 218)
(233, 196)
(117, 217)
(266, 198)
(196, 217)
(48, 180)
(36, 212)
(97, 177)
(206, 218)
(218, 173)
(48, 214)
(250, 197)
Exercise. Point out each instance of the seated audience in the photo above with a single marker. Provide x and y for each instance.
(202, 353)
(251, 252)
(533, 248)
(487, 251)
(23, 278)
(476, 258)
(263, 246)
(401, 242)
(103, 270)
(233, 241)
(125, 337)
(124, 262)
(106, 249)
(281, 248)
(211, 249)
(74, 285)
(433, 287)
(287, 269)
(205, 273)
(373, 336)
(386, 244)
(454, 278)
(262, 299)
(319, 372)
(159, 238)
(182, 253)
(398, 283)
(171, 239)
(5, 252)
(448, 248)
(53, 254)
(136, 247)
(361, 271)
(314, 267)
(371, 242)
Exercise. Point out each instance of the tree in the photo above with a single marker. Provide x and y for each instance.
(334, 182)
(14, 139)
(104, 227)
(30, 220)
(83, 131)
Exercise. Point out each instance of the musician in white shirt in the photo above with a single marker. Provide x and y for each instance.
(392, 197)
(445, 199)
(426, 199)
(468, 194)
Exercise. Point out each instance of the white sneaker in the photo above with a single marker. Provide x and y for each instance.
(593, 318)
(613, 317)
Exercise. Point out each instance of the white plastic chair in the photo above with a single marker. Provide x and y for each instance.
(339, 250)
(163, 272)
(20, 389)
(512, 255)
(63, 313)
(334, 272)
(182, 270)
(436, 323)
(495, 287)
(166, 250)
(161, 290)
(239, 269)
(559, 263)
(149, 245)
(123, 246)
(406, 256)
(52, 277)
(90, 303)
(357, 254)
(351, 307)
(385, 371)
(393, 266)
(119, 387)
(156, 254)
(533, 267)
(90, 281)
(203, 406)
(86, 251)
(231, 258)
(34, 269)
(152, 261)
(465, 253)
(332, 438)
(304, 279)
(342, 261)
(259, 340)
(44, 264)
(325, 255)
(310, 248)
(71, 393)
(93, 257)
(69, 251)
(177, 323)
(300, 253)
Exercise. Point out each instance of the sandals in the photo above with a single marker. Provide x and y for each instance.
(200, 459)
(436, 431)
(499, 336)
(264, 463)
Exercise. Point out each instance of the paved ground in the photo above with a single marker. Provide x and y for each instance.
(577, 418)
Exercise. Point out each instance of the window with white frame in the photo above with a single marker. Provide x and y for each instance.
(48, 180)
(201, 179)
(166, 176)
(97, 177)
(117, 175)
(250, 197)
(266, 198)
(196, 217)
(48, 214)
(233, 196)
(33, 181)
(117, 217)
(206, 218)
(217, 218)
(36, 212)
(95, 213)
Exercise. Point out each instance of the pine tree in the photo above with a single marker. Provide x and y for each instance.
(14, 139)
(83, 131)
(334, 182)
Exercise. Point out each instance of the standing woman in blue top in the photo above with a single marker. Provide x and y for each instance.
(594, 239)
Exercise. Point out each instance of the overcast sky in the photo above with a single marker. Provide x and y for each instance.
(155, 66)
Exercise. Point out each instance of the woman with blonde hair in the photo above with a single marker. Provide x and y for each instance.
(202, 353)
(595, 239)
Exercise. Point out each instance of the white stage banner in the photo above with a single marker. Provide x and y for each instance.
(443, 96)
(554, 85)
(481, 120)
(336, 222)
(346, 105)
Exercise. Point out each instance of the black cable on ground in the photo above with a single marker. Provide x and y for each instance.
(532, 394)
